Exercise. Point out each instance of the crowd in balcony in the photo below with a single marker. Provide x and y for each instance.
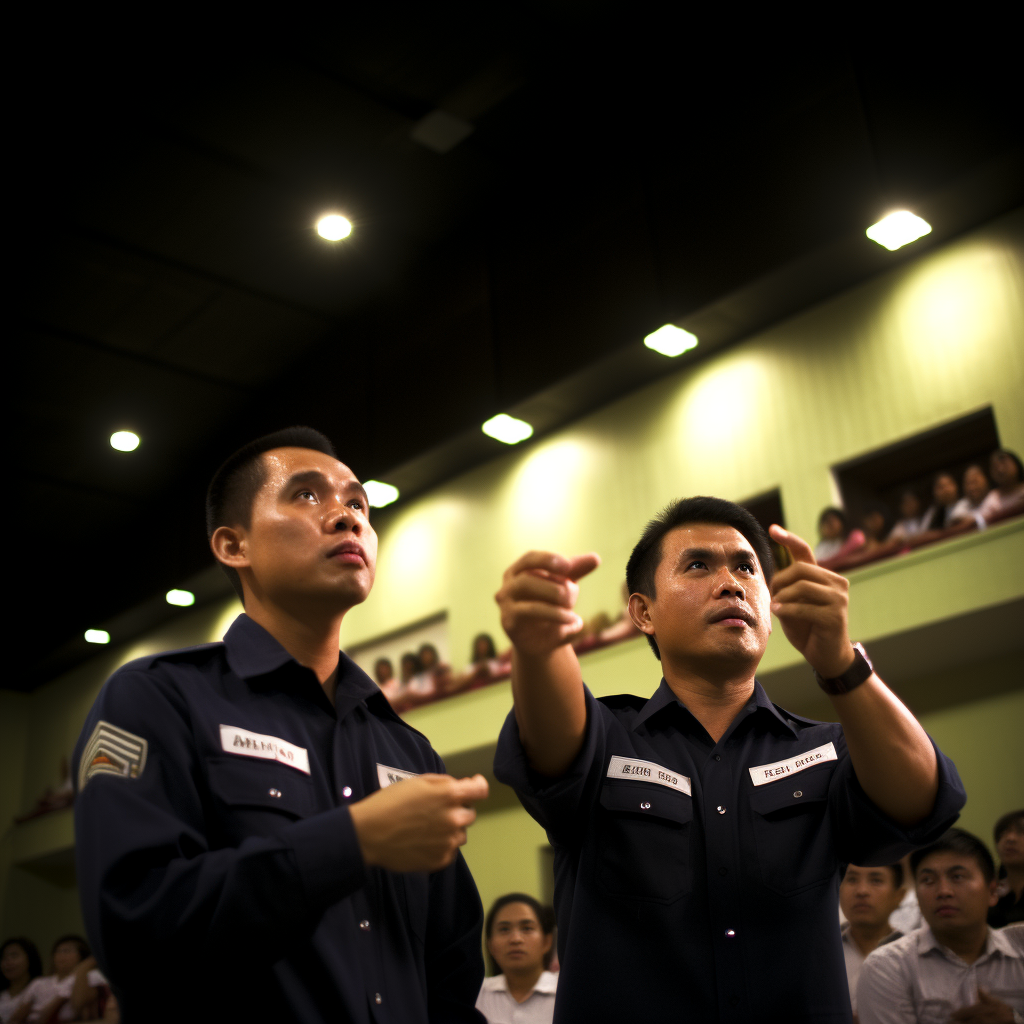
(980, 497)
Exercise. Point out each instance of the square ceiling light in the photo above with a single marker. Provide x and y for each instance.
(671, 341)
(507, 428)
(898, 229)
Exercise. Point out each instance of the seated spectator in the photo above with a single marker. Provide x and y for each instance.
(1009, 836)
(485, 666)
(874, 525)
(954, 967)
(623, 628)
(71, 992)
(975, 487)
(20, 966)
(1007, 473)
(384, 675)
(867, 896)
(945, 495)
(910, 523)
(520, 939)
(837, 539)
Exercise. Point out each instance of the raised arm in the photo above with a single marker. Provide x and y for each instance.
(536, 599)
(891, 754)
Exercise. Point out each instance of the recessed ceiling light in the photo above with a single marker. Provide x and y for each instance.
(124, 440)
(898, 229)
(380, 494)
(671, 340)
(181, 598)
(334, 227)
(97, 636)
(507, 428)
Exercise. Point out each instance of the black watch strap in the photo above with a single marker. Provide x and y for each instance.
(859, 672)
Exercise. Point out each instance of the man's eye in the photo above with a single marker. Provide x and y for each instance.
(306, 494)
(697, 562)
(745, 566)
(356, 503)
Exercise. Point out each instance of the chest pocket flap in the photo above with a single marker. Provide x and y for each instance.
(805, 788)
(648, 801)
(245, 782)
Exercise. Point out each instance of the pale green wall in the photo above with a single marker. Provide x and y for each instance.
(928, 342)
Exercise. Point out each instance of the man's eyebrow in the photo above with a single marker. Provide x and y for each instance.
(315, 476)
(740, 554)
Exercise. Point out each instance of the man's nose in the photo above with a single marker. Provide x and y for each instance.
(342, 518)
(727, 584)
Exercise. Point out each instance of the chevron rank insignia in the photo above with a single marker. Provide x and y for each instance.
(112, 751)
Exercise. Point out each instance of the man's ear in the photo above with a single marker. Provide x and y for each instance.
(993, 888)
(229, 546)
(640, 612)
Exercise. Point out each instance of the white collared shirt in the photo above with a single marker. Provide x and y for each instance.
(495, 1001)
(916, 979)
(854, 960)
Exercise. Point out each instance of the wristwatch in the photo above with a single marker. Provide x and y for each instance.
(857, 673)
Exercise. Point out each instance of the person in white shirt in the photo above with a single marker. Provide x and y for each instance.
(68, 993)
(954, 968)
(1007, 474)
(910, 523)
(520, 941)
(975, 488)
(20, 966)
(867, 896)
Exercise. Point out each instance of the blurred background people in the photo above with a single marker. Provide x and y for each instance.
(837, 539)
(874, 525)
(975, 487)
(907, 916)
(910, 522)
(1007, 473)
(71, 992)
(384, 676)
(1009, 836)
(20, 965)
(867, 897)
(945, 495)
(520, 939)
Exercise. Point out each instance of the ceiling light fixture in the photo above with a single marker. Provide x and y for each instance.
(181, 598)
(898, 229)
(124, 440)
(97, 636)
(507, 428)
(671, 341)
(379, 494)
(334, 227)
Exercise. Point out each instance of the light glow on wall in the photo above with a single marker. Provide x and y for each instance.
(671, 341)
(507, 428)
(379, 494)
(97, 636)
(181, 598)
(124, 440)
(334, 227)
(898, 229)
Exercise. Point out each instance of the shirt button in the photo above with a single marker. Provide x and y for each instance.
(720, 809)
(377, 999)
(718, 757)
(364, 926)
(346, 792)
(646, 805)
(798, 793)
(274, 792)
(730, 933)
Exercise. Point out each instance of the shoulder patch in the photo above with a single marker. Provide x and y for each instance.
(112, 751)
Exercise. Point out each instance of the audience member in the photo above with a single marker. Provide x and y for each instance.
(70, 992)
(955, 967)
(867, 896)
(1009, 836)
(837, 539)
(520, 939)
(910, 523)
(20, 966)
(874, 525)
(975, 487)
(945, 495)
(1007, 473)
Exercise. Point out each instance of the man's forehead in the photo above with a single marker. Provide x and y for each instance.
(285, 462)
(947, 860)
(707, 535)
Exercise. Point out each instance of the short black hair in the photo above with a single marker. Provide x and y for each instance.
(491, 652)
(1014, 458)
(1008, 819)
(79, 942)
(957, 840)
(35, 961)
(646, 557)
(235, 485)
(895, 869)
(832, 510)
(545, 919)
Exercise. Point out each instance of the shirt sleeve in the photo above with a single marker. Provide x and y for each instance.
(560, 806)
(865, 835)
(147, 871)
(884, 993)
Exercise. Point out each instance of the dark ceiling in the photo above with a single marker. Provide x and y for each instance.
(169, 279)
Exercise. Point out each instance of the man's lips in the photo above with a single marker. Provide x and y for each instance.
(348, 552)
(731, 615)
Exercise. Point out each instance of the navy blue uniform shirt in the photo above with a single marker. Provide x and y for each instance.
(220, 874)
(699, 882)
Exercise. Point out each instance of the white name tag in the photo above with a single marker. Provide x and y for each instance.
(647, 771)
(388, 776)
(270, 748)
(765, 773)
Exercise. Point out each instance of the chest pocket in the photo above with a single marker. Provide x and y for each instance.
(254, 797)
(794, 841)
(644, 837)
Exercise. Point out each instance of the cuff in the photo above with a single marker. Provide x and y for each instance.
(328, 857)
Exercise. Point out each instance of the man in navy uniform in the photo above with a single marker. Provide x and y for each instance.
(699, 835)
(258, 835)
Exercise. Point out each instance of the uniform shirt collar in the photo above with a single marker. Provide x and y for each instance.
(664, 697)
(995, 942)
(547, 983)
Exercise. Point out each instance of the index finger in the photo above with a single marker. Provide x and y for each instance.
(471, 789)
(558, 565)
(796, 546)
